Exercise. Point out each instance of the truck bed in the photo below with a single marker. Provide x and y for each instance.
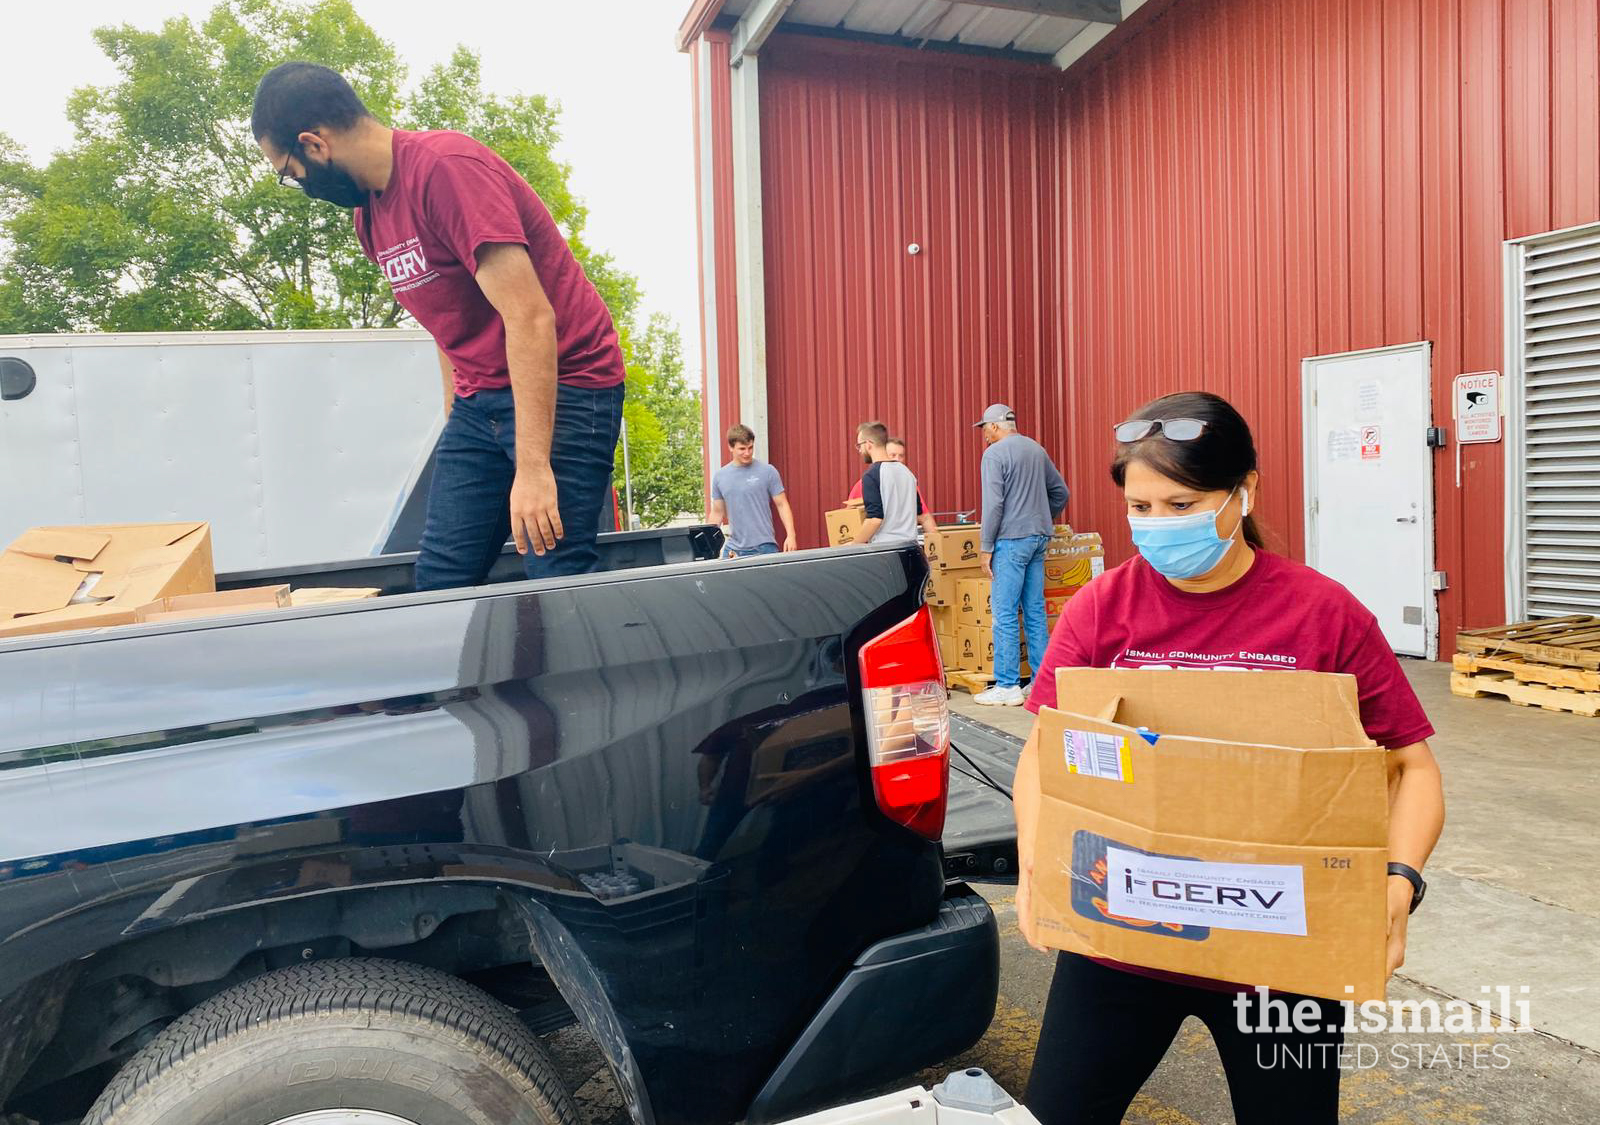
(655, 772)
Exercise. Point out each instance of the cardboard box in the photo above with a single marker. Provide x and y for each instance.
(57, 578)
(958, 547)
(331, 595)
(844, 525)
(1072, 560)
(942, 586)
(945, 621)
(1231, 825)
(184, 606)
(970, 648)
(1067, 572)
(972, 602)
(949, 653)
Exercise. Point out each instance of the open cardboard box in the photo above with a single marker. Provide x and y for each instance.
(58, 578)
(1230, 825)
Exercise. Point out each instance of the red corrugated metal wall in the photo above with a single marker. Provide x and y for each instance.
(1275, 179)
(1243, 184)
(863, 154)
(726, 345)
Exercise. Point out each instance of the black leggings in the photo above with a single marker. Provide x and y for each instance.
(1105, 1031)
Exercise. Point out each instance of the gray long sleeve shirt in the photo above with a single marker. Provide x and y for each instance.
(1022, 490)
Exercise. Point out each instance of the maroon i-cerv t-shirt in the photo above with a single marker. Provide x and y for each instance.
(1281, 615)
(448, 196)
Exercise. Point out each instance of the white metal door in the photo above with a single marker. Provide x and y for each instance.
(1369, 485)
(1553, 449)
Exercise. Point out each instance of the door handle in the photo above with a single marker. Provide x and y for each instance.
(1405, 519)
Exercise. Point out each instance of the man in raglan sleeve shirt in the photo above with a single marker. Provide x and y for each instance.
(531, 363)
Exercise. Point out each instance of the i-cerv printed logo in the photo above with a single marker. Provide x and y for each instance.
(405, 266)
(1204, 892)
(1183, 897)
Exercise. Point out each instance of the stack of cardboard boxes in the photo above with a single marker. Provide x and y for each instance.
(959, 593)
(54, 579)
(956, 567)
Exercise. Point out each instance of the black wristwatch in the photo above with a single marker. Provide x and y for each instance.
(1414, 877)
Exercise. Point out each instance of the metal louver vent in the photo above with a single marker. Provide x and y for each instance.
(1557, 514)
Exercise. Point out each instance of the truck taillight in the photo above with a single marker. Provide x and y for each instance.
(908, 724)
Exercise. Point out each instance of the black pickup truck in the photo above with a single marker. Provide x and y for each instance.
(256, 870)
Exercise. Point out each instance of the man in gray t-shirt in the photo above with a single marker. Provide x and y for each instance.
(743, 494)
(1023, 494)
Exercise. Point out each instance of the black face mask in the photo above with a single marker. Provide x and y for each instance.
(331, 184)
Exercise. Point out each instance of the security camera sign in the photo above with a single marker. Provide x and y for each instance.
(1477, 403)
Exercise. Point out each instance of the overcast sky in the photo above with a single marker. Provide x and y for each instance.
(624, 89)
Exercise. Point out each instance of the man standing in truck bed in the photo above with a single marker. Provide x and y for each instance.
(532, 367)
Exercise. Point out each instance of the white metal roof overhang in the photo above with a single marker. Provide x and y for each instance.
(1062, 31)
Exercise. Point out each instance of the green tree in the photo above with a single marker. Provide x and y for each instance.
(663, 417)
(161, 215)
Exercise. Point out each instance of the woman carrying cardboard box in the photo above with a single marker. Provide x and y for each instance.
(1204, 593)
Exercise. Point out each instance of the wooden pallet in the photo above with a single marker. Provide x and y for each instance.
(1571, 641)
(970, 682)
(1476, 686)
(1530, 671)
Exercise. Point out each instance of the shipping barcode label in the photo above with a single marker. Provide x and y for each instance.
(1098, 755)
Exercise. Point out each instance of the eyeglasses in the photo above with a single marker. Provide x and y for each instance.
(1175, 429)
(285, 179)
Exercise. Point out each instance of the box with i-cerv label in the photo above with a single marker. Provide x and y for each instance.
(1229, 825)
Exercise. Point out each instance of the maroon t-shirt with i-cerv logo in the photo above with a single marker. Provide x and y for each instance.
(448, 196)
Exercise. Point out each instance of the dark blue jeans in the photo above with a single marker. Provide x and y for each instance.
(1018, 567)
(469, 504)
(754, 552)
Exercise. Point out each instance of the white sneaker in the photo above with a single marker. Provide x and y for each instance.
(999, 697)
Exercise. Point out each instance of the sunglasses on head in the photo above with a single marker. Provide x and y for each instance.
(1175, 429)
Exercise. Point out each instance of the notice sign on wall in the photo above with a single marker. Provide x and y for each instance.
(1477, 407)
(1371, 443)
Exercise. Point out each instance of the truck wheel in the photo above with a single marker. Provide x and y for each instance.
(341, 1042)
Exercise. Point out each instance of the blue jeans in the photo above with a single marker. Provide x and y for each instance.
(469, 503)
(1018, 566)
(758, 549)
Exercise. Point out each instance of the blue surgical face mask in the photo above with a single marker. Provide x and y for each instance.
(1185, 546)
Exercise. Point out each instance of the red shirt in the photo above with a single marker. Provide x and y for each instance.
(448, 196)
(855, 494)
(1281, 615)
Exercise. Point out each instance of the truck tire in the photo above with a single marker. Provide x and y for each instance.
(406, 1044)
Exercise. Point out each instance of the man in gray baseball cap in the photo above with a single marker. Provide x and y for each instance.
(1023, 494)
